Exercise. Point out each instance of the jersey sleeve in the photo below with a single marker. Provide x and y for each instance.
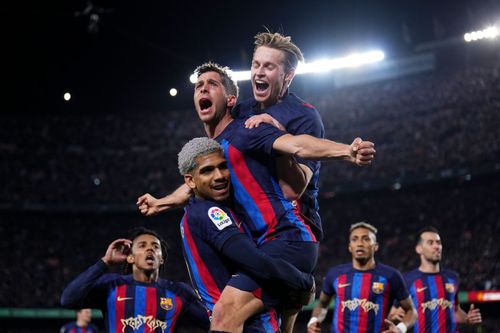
(328, 287)
(399, 286)
(88, 289)
(260, 138)
(213, 223)
(259, 265)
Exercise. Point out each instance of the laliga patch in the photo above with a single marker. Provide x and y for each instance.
(219, 218)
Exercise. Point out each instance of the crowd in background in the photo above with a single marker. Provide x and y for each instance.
(427, 126)
(437, 163)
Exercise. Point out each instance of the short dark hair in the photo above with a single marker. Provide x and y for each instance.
(227, 81)
(428, 228)
(139, 231)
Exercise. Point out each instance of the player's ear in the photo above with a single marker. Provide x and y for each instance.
(289, 75)
(418, 249)
(376, 247)
(231, 101)
(188, 179)
(130, 259)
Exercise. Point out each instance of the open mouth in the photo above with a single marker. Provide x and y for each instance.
(150, 258)
(261, 85)
(205, 104)
(220, 186)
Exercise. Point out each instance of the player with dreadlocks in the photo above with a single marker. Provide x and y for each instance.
(139, 299)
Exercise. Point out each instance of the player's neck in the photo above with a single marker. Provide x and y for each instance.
(145, 276)
(81, 323)
(364, 265)
(215, 128)
(428, 267)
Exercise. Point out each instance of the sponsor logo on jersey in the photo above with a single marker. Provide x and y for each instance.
(137, 322)
(434, 303)
(343, 285)
(166, 303)
(362, 303)
(219, 218)
(378, 287)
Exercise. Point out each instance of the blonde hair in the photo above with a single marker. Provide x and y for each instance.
(283, 43)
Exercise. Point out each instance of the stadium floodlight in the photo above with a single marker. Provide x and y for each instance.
(320, 66)
(488, 33)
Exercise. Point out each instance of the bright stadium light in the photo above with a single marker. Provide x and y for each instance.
(488, 33)
(320, 66)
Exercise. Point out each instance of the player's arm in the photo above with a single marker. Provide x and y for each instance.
(243, 251)
(407, 321)
(319, 313)
(149, 205)
(308, 147)
(78, 294)
(293, 176)
(194, 310)
(396, 314)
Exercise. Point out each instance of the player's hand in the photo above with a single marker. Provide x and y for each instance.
(397, 315)
(314, 327)
(362, 152)
(474, 315)
(148, 205)
(255, 121)
(391, 327)
(117, 251)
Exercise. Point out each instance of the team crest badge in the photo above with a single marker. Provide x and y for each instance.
(219, 218)
(166, 303)
(378, 287)
(450, 287)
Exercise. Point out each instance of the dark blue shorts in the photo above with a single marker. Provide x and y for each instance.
(303, 255)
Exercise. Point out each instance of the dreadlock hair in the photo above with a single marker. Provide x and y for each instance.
(139, 231)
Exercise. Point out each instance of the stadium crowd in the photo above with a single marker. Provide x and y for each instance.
(425, 127)
(436, 139)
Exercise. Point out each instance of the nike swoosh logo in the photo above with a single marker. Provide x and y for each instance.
(121, 299)
(342, 285)
(421, 289)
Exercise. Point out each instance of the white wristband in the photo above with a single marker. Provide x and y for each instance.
(312, 321)
(402, 327)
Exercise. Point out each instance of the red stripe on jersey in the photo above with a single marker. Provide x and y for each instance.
(364, 293)
(420, 300)
(387, 293)
(84, 330)
(73, 330)
(151, 302)
(308, 105)
(178, 308)
(340, 296)
(250, 184)
(203, 271)
(273, 320)
(441, 295)
(257, 293)
(120, 307)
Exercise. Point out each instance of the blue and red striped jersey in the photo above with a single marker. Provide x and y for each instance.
(298, 117)
(363, 298)
(74, 328)
(265, 212)
(131, 306)
(205, 227)
(435, 298)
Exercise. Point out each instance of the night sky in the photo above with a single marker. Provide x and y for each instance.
(138, 50)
